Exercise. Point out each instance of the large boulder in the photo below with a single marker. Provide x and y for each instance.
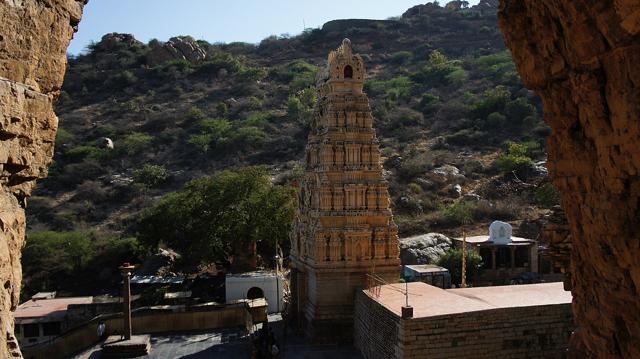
(114, 41)
(160, 263)
(177, 48)
(424, 248)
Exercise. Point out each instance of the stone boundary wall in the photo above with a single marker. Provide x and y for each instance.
(156, 321)
(375, 328)
(519, 332)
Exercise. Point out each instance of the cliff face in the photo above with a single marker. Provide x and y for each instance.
(34, 35)
(581, 57)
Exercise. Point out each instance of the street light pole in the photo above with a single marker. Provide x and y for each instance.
(126, 269)
(464, 260)
(277, 258)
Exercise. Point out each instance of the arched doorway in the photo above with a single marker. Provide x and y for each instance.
(255, 293)
(348, 72)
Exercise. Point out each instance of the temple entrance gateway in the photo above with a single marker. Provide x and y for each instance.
(344, 229)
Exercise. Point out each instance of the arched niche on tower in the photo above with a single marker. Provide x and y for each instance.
(348, 72)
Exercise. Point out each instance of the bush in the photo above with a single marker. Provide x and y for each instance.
(217, 62)
(79, 153)
(63, 136)
(494, 101)
(452, 260)
(300, 107)
(214, 133)
(428, 102)
(460, 212)
(249, 137)
(258, 119)
(195, 114)
(416, 166)
(136, 142)
(221, 109)
(105, 130)
(528, 148)
(151, 175)
(298, 74)
(495, 121)
(467, 137)
(397, 88)
(520, 165)
(253, 74)
(401, 57)
(518, 111)
(440, 71)
(547, 195)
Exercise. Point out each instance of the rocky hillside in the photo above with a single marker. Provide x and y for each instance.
(460, 136)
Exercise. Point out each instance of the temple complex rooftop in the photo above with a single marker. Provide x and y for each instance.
(430, 301)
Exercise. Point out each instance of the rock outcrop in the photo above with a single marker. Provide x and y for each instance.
(581, 57)
(177, 48)
(34, 36)
(424, 248)
(114, 40)
(556, 242)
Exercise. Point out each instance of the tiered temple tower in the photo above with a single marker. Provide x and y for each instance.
(344, 228)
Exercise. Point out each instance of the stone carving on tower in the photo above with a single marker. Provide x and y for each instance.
(344, 228)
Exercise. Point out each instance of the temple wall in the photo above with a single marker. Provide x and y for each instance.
(516, 332)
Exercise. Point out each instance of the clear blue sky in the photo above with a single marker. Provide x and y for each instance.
(223, 20)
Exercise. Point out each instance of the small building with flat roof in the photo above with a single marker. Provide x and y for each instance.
(517, 321)
(38, 320)
(504, 256)
(427, 273)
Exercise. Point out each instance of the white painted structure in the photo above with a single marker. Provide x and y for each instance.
(258, 284)
(500, 232)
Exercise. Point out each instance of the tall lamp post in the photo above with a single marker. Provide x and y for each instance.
(126, 269)
(464, 260)
(277, 258)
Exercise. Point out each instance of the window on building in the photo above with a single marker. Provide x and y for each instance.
(52, 328)
(30, 330)
(348, 72)
(17, 328)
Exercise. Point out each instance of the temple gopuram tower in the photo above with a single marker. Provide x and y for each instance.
(344, 229)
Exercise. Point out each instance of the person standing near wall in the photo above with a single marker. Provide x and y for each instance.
(102, 331)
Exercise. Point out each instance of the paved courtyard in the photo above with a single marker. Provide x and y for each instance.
(228, 343)
(231, 344)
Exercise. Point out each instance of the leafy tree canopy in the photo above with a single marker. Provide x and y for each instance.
(213, 216)
(452, 260)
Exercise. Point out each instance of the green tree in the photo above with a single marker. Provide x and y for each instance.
(74, 261)
(440, 71)
(494, 101)
(452, 260)
(214, 216)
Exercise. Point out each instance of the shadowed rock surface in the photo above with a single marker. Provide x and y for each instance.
(32, 66)
(581, 58)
